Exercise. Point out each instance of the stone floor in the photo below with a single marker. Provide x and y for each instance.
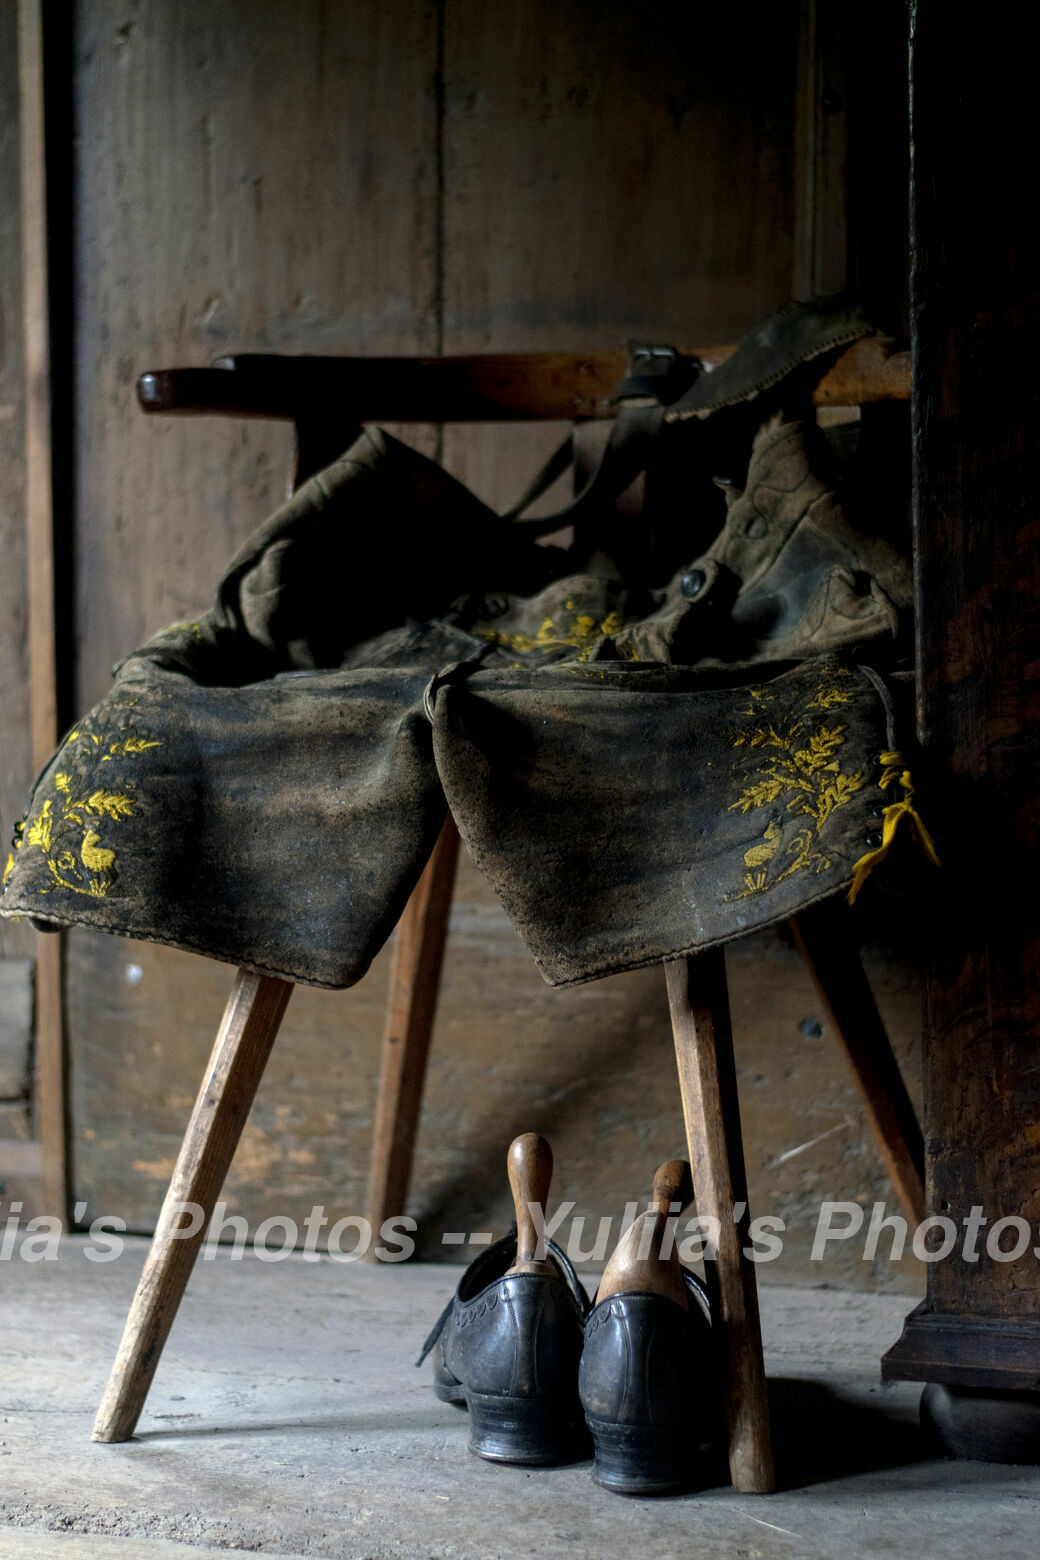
(287, 1419)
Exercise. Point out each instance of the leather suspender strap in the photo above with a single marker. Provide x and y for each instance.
(656, 375)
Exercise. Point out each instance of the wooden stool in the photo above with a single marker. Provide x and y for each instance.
(529, 386)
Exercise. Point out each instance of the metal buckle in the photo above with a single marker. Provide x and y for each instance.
(656, 374)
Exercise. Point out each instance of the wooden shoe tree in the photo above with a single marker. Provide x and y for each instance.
(637, 1263)
(530, 1163)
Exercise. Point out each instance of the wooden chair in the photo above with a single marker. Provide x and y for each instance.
(517, 387)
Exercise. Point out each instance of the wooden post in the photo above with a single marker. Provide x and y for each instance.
(699, 1002)
(976, 420)
(39, 506)
(415, 977)
(243, 1045)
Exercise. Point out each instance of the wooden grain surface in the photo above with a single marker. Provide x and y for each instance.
(487, 387)
(19, 1180)
(699, 1002)
(34, 188)
(651, 199)
(247, 1032)
(415, 977)
(250, 179)
(15, 748)
(977, 425)
(37, 173)
(851, 180)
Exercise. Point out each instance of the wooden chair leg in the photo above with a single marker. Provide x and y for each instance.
(699, 1000)
(414, 983)
(825, 941)
(243, 1045)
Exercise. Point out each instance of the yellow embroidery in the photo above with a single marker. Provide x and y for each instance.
(93, 859)
(825, 695)
(185, 626)
(800, 768)
(826, 698)
(126, 748)
(582, 635)
(758, 697)
(67, 827)
(41, 829)
(757, 859)
(110, 804)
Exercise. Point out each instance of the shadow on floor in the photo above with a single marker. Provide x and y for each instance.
(819, 1434)
(431, 1418)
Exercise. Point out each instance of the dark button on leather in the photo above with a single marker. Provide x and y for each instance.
(877, 812)
(874, 839)
(692, 583)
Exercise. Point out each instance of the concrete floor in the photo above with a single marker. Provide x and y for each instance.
(287, 1419)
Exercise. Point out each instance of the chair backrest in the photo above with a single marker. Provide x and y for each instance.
(326, 397)
(506, 387)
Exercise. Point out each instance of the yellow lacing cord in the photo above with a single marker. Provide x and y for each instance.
(893, 773)
(16, 844)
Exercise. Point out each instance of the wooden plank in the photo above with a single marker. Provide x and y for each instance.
(511, 387)
(415, 978)
(587, 205)
(43, 672)
(851, 178)
(21, 1178)
(14, 1122)
(36, 334)
(699, 1003)
(821, 229)
(20, 1158)
(261, 206)
(243, 1044)
(248, 184)
(983, 1353)
(976, 432)
(16, 1026)
(16, 941)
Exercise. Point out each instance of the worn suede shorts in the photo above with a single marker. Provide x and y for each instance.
(640, 770)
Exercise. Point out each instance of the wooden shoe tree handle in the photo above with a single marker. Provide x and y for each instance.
(637, 1263)
(530, 1163)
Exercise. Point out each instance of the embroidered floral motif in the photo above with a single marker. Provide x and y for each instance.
(758, 697)
(799, 773)
(67, 827)
(582, 634)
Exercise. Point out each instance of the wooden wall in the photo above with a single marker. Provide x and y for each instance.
(16, 942)
(390, 176)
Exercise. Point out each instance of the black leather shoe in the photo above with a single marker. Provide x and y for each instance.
(507, 1347)
(649, 1391)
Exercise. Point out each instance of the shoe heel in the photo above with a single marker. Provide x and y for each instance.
(524, 1430)
(642, 1459)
